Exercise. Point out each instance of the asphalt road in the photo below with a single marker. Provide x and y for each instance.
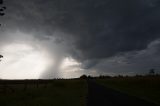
(99, 95)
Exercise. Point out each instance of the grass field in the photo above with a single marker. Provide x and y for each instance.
(147, 88)
(55, 93)
(73, 92)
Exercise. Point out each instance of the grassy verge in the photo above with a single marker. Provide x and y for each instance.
(147, 88)
(56, 93)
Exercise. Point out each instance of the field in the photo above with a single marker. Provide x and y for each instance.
(147, 88)
(43, 93)
(74, 92)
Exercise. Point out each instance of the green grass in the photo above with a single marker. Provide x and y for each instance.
(147, 88)
(57, 93)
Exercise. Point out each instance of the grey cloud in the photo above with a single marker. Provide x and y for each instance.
(94, 25)
(131, 63)
(89, 30)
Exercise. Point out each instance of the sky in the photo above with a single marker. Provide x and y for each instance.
(45, 39)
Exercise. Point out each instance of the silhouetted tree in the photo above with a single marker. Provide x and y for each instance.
(1, 57)
(2, 9)
(83, 77)
(1, 1)
(90, 77)
(152, 71)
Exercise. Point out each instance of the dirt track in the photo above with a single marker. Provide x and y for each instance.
(99, 95)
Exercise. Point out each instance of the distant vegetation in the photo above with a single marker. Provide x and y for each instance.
(2, 9)
(150, 74)
(1, 57)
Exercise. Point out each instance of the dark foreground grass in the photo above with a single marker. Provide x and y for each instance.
(56, 93)
(147, 88)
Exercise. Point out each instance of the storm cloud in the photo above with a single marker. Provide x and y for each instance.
(93, 32)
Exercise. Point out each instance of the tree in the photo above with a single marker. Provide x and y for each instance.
(2, 9)
(83, 77)
(1, 57)
(1, 1)
(152, 71)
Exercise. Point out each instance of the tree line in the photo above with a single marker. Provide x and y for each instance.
(2, 13)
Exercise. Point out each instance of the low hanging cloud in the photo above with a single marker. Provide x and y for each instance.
(131, 63)
(91, 32)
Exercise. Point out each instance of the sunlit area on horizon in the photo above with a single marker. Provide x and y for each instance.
(70, 68)
(22, 61)
(27, 58)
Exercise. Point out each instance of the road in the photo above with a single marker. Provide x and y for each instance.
(99, 95)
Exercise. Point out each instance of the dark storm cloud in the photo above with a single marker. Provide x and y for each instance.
(93, 29)
(117, 26)
(131, 63)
